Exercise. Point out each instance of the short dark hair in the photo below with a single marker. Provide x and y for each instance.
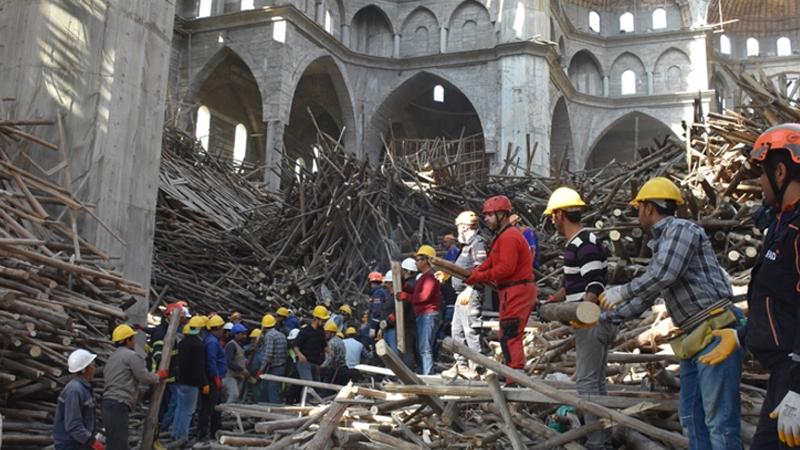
(573, 215)
(782, 155)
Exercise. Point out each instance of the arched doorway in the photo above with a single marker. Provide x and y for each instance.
(621, 140)
(561, 148)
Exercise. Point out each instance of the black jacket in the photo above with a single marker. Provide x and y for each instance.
(192, 361)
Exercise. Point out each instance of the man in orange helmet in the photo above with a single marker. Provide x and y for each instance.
(510, 267)
(772, 332)
(378, 298)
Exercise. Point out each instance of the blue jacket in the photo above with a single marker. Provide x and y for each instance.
(378, 297)
(75, 414)
(216, 363)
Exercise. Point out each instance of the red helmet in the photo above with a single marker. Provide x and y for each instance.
(375, 276)
(785, 136)
(172, 307)
(497, 203)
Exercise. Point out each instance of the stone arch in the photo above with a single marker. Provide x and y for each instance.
(336, 10)
(393, 112)
(470, 27)
(561, 145)
(585, 73)
(618, 141)
(372, 32)
(420, 33)
(672, 72)
(627, 61)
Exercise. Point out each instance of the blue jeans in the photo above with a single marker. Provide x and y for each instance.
(271, 390)
(426, 336)
(169, 415)
(185, 405)
(710, 402)
(390, 336)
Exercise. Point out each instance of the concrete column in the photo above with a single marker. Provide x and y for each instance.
(443, 40)
(105, 65)
(605, 86)
(274, 154)
(396, 49)
(649, 83)
(346, 35)
(319, 12)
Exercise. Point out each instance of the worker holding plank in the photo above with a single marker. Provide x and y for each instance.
(585, 277)
(684, 271)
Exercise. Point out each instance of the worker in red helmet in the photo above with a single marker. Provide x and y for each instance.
(509, 266)
(772, 333)
(376, 303)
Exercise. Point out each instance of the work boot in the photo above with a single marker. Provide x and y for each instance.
(452, 372)
(469, 373)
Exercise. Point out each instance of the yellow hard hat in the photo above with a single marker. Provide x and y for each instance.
(186, 329)
(331, 326)
(339, 334)
(563, 198)
(204, 320)
(321, 312)
(658, 188)
(282, 311)
(255, 333)
(346, 309)
(426, 250)
(467, 218)
(215, 322)
(350, 331)
(268, 321)
(122, 332)
(197, 322)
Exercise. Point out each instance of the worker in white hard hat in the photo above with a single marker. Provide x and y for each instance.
(76, 418)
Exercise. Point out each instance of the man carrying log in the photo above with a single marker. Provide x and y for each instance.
(75, 421)
(122, 374)
(467, 310)
(510, 267)
(685, 272)
(772, 333)
(585, 277)
(427, 300)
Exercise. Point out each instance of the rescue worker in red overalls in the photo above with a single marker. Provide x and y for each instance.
(509, 266)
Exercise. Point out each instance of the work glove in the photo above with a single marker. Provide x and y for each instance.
(403, 296)
(611, 297)
(788, 416)
(729, 342)
(441, 276)
(97, 445)
(218, 382)
(382, 325)
(580, 325)
(258, 374)
(205, 390)
(391, 318)
(464, 297)
(162, 374)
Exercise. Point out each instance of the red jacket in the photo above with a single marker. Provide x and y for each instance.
(509, 260)
(427, 296)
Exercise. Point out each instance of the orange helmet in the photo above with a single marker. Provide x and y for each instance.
(497, 203)
(375, 276)
(785, 136)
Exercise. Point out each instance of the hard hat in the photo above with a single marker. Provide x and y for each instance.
(204, 319)
(388, 277)
(293, 334)
(409, 264)
(426, 250)
(283, 312)
(197, 322)
(228, 326)
(467, 218)
(321, 312)
(350, 331)
(238, 328)
(215, 322)
(186, 329)
(375, 277)
(79, 360)
(563, 198)
(339, 334)
(268, 321)
(658, 188)
(186, 313)
(172, 307)
(497, 203)
(346, 309)
(331, 326)
(255, 333)
(784, 136)
(122, 332)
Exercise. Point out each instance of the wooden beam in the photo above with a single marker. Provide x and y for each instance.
(500, 402)
(151, 421)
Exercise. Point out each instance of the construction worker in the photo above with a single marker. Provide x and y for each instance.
(286, 320)
(209, 419)
(124, 371)
(75, 421)
(376, 303)
(451, 247)
(426, 300)
(530, 236)
(355, 351)
(310, 345)
(585, 278)
(237, 364)
(235, 317)
(685, 272)
(191, 380)
(334, 367)
(227, 334)
(771, 333)
(274, 349)
(343, 317)
(467, 309)
(157, 335)
(509, 266)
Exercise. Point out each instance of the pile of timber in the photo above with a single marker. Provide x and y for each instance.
(58, 292)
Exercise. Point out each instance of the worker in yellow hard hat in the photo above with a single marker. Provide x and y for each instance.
(684, 271)
(287, 321)
(343, 316)
(355, 351)
(310, 344)
(209, 419)
(124, 371)
(191, 380)
(334, 367)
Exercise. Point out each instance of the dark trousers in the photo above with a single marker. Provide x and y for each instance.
(115, 419)
(766, 437)
(208, 414)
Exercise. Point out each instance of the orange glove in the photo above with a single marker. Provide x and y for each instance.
(162, 374)
(97, 445)
(403, 296)
(218, 382)
(206, 389)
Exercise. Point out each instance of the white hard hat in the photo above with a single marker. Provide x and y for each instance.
(228, 326)
(79, 360)
(409, 264)
(388, 277)
(293, 334)
(186, 313)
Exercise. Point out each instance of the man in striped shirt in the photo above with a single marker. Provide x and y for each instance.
(585, 276)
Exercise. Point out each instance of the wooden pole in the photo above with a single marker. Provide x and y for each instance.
(500, 402)
(399, 310)
(454, 270)
(584, 312)
(331, 419)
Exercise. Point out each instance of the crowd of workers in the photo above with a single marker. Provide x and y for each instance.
(218, 361)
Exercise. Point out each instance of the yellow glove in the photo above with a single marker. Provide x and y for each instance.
(465, 296)
(788, 416)
(206, 389)
(729, 342)
(611, 297)
(441, 276)
(580, 325)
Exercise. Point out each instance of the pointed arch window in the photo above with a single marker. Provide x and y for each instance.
(659, 19)
(784, 46)
(438, 93)
(203, 126)
(239, 144)
(752, 47)
(594, 21)
(628, 82)
(626, 23)
(724, 45)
